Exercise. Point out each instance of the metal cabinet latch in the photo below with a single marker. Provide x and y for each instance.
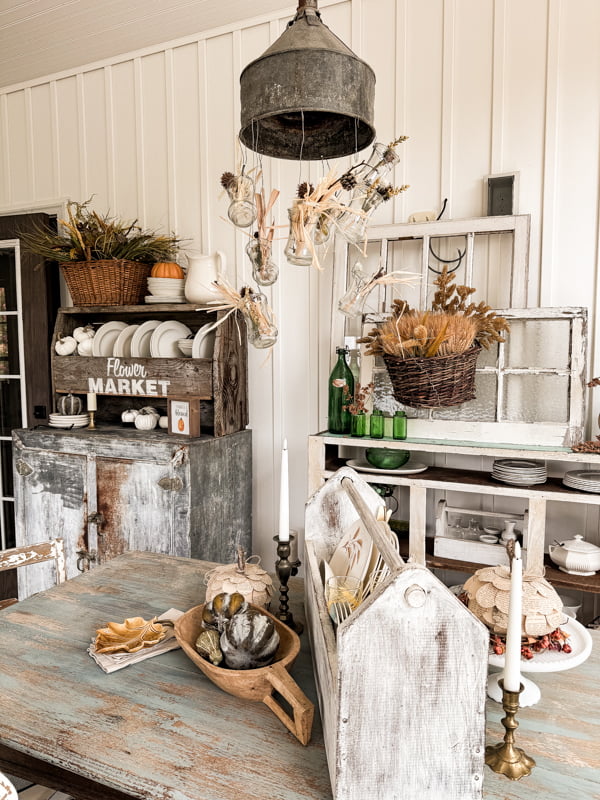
(97, 518)
(84, 559)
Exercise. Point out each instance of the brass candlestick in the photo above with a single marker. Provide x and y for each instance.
(92, 424)
(285, 569)
(505, 757)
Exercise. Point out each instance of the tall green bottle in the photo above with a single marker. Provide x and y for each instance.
(341, 393)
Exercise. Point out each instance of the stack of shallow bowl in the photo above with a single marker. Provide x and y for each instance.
(68, 420)
(165, 290)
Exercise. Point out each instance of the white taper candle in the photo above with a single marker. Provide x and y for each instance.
(91, 401)
(512, 656)
(284, 497)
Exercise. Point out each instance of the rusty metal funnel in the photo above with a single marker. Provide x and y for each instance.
(308, 96)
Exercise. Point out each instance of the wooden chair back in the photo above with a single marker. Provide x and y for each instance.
(34, 554)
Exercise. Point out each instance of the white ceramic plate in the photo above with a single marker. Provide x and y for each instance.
(410, 468)
(163, 343)
(551, 660)
(352, 556)
(204, 342)
(69, 424)
(185, 345)
(122, 347)
(105, 338)
(140, 341)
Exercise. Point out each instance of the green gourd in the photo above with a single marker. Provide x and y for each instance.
(207, 644)
(249, 640)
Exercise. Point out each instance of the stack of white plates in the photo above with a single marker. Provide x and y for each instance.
(166, 290)
(519, 471)
(68, 420)
(586, 480)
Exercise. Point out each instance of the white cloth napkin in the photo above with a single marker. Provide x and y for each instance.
(111, 662)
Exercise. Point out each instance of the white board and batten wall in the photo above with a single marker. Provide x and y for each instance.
(481, 88)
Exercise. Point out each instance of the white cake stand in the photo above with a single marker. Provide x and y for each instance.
(546, 661)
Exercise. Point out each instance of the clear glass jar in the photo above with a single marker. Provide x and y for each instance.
(381, 161)
(260, 325)
(352, 302)
(264, 270)
(242, 209)
(322, 229)
(353, 222)
(297, 250)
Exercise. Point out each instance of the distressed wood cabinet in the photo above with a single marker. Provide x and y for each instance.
(117, 489)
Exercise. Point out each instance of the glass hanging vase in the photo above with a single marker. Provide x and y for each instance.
(242, 209)
(298, 250)
(322, 229)
(264, 270)
(381, 161)
(260, 325)
(352, 302)
(354, 222)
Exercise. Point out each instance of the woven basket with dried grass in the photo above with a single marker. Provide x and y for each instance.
(431, 355)
(104, 261)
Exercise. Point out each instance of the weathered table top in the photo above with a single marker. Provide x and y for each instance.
(159, 729)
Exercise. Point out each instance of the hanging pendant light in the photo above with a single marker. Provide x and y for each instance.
(308, 96)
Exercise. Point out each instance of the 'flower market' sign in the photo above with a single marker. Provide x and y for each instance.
(128, 379)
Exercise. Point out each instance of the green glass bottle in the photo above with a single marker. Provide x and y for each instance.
(341, 393)
(377, 420)
(399, 425)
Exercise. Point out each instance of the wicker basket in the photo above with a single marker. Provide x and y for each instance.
(433, 382)
(106, 283)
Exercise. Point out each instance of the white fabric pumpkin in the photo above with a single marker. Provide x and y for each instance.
(247, 578)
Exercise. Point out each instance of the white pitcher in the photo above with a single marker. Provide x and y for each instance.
(201, 272)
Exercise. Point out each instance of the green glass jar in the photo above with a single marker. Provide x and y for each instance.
(359, 424)
(399, 425)
(341, 393)
(377, 420)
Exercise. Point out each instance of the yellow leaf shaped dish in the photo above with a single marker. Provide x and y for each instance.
(130, 636)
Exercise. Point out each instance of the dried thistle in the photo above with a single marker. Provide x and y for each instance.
(358, 404)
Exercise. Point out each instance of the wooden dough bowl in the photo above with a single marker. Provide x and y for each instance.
(255, 684)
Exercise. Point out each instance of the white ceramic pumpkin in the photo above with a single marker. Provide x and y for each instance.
(146, 422)
(83, 332)
(65, 346)
(69, 404)
(85, 347)
(129, 415)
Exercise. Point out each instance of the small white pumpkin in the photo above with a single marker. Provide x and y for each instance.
(129, 415)
(85, 347)
(163, 422)
(145, 422)
(83, 332)
(69, 404)
(65, 346)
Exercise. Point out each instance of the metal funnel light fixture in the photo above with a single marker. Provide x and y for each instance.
(308, 96)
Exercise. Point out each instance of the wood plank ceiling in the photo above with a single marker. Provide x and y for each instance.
(43, 37)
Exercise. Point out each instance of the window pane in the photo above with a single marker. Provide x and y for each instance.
(483, 407)
(8, 288)
(488, 358)
(538, 343)
(536, 398)
(9, 345)
(9, 523)
(7, 470)
(10, 405)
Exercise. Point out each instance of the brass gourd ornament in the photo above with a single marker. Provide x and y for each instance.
(207, 644)
(244, 577)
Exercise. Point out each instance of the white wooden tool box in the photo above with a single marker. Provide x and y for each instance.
(402, 683)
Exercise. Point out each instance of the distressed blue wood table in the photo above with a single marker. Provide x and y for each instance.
(159, 730)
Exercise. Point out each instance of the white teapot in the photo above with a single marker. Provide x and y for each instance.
(201, 272)
(576, 556)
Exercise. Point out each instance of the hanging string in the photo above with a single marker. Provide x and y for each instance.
(301, 148)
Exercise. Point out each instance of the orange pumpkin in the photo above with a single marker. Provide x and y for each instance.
(166, 269)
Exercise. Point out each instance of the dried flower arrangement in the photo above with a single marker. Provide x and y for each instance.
(431, 355)
(452, 326)
(358, 404)
(89, 236)
(255, 309)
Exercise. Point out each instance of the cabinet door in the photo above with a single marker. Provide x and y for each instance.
(142, 506)
(51, 491)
